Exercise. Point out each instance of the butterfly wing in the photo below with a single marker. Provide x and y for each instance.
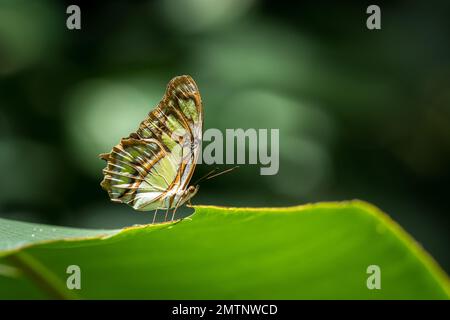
(152, 166)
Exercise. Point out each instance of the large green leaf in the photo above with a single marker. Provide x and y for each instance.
(312, 251)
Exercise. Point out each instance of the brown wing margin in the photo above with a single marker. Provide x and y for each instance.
(155, 125)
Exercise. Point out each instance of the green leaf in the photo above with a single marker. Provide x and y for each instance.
(306, 252)
(17, 235)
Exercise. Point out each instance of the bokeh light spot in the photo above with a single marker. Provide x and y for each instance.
(100, 113)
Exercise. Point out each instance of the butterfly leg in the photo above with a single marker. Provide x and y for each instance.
(154, 216)
(167, 212)
(175, 210)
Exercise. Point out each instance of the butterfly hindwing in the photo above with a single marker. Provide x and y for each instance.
(128, 167)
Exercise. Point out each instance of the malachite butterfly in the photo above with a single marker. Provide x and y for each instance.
(152, 167)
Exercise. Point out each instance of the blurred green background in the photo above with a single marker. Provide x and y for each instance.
(362, 114)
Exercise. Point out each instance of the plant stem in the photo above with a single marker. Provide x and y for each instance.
(42, 276)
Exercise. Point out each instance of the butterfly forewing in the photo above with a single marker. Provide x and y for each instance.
(153, 166)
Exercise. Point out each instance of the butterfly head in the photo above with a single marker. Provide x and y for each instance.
(189, 193)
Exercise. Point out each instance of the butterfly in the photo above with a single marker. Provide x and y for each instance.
(152, 167)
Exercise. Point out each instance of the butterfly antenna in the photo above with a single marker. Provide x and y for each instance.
(205, 176)
(220, 173)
